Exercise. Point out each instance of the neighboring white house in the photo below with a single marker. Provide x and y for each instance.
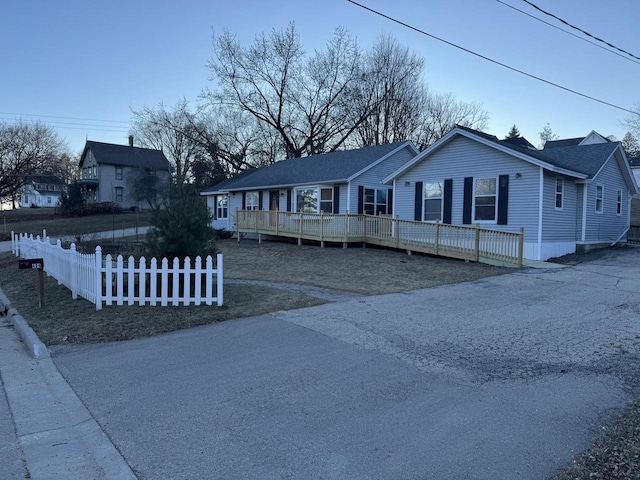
(573, 194)
(42, 190)
(336, 182)
(107, 172)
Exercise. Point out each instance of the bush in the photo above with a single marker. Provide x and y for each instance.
(222, 234)
(92, 209)
(181, 229)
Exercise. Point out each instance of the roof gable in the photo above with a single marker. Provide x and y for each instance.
(125, 155)
(339, 166)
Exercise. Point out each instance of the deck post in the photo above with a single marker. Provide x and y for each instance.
(346, 229)
(300, 232)
(520, 246)
(237, 228)
(437, 236)
(396, 231)
(477, 245)
(277, 222)
(321, 229)
(259, 238)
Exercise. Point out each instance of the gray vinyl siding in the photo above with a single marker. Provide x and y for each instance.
(462, 158)
(559, 225)
(373, 178)
(607, 226)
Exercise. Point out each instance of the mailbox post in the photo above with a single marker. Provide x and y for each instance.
(38, 264)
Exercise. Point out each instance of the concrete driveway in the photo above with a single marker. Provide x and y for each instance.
(502, 378)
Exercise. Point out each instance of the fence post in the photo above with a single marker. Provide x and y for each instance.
(73, 274)
(219, 279)
(98, 278)
(437, 236)
(477, 245)
(321, 229)
(300, 233)
(237, 227)
(520, 246)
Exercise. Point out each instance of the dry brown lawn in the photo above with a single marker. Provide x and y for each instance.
(357, 270)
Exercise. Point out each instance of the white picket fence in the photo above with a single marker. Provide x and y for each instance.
(131, 282)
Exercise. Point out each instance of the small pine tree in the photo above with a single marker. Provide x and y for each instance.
(181, 229)
(514, 132)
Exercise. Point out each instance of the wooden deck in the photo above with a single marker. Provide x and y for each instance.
(464, 242)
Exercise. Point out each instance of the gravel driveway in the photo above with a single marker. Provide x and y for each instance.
(499, 378)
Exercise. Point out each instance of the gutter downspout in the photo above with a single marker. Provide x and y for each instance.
(585, 191)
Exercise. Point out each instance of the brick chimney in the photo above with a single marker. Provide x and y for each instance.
(131, 140)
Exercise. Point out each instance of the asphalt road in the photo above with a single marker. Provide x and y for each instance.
(503, 378)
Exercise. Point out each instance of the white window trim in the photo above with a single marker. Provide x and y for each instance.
(601, 211)
(225, 208)
(246, 201)
(561, 193)
(424, 199)
(375, 202)
(473, 203)
(619, 203)
(318, 189)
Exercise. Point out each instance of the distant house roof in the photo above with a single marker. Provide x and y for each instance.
(125, 155)
(567, 142)
(46, 178)
(330, 167)
(634, 161)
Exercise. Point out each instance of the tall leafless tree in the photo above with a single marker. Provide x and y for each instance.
(26, 149)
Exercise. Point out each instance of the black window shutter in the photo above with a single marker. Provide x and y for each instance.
(448, 200)
(289, 200)
(417, 208)
(503, 199)
(467, 200)
(244, 200)
(390, 202)
(336, 199)
(215, 207)
(260, 199)
(360, 200)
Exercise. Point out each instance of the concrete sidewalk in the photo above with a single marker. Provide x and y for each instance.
(44, 423)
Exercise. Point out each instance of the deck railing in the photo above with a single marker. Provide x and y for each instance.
(465, 242)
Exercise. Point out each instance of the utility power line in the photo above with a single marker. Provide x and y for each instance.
(540, 79)
(580, 30)
(64, 118)
(569, 33)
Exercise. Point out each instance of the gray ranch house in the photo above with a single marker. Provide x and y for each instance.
(338, 182)
(573, 194)
(111, 173)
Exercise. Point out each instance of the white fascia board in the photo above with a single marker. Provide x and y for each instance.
(408, 144)
(488, 143)
(290, 185)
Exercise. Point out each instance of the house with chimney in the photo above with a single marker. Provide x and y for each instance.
(130, 176)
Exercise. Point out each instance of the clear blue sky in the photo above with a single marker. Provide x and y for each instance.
(99, 60)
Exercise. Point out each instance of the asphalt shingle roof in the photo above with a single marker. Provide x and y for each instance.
(585, 159)
(321, 168)
(567, 142)
(127, 156)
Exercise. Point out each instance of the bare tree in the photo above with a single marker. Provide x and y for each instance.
(631, 145)
(632, 122)
(25, 149)
(443, 112)
(308, 103)
(545, 135)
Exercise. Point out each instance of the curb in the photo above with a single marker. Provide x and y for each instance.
(34, 346)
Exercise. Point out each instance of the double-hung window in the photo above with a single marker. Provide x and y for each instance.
(599, 198)
(119, 194)
(252, 201)
(314, 199)
(222, 206)
(485, 199)
(375, 201)
(619, 203)
(118, 173)
(559, 192)
(432, 201)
